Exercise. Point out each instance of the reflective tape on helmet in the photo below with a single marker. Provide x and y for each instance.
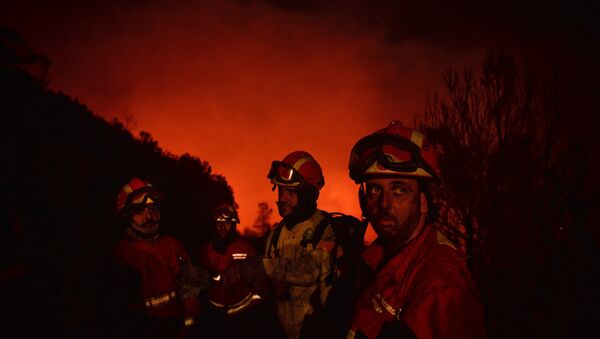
(143, 199)
(417, 138)
(298, 164)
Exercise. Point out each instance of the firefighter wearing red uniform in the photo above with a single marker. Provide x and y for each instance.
(235, 310)
(222, 252)
(421, 287)
(150, 264)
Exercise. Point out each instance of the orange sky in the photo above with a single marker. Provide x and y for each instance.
(242, 85)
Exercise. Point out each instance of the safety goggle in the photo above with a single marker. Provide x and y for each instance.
(226, 216)
(139, 208)
(282, 173)
(393, 153)
(142, 198)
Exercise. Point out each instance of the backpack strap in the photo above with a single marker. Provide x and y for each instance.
(319, 230)
(316, 238)
(274, 239)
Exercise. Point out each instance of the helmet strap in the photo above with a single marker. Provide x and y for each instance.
(362, 200)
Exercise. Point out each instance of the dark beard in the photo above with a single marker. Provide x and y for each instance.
(220, 243)
(307, 205)
(393, 245)
(145, 236)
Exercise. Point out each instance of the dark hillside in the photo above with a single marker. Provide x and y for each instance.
(62, 167)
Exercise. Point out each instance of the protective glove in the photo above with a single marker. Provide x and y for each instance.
(250, 271)
(192, 280)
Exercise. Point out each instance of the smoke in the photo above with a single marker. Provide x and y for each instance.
(240, 84)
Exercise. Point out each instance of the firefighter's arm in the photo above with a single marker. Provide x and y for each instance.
(450, 313)
(192, 280)
(249, 271)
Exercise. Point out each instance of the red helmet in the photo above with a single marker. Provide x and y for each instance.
(394, 151)
(226, 212)
(296, 169)
(136, 192)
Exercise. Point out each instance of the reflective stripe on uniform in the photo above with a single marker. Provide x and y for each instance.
(159, 300)
(442, 240)
(231, 309)
(380, 304)
(189, 321)
(238, 256)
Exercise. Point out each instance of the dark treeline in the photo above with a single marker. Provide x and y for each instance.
(519, 151)
(62, 167)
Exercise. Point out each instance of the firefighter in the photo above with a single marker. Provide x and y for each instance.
(298, 267)
(226, 313)
(421, 286)
(145, 299)
(298, 256)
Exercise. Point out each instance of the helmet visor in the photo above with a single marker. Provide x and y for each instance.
(144, 196)
(391, 152)
(284, 174)
(139, 208)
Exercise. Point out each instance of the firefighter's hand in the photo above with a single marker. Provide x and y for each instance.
(192, 280)
(252, 270)
(249, 271)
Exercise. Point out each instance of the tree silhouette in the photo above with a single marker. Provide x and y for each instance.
(258, 232)
(15, 53)
(512, 181)
(262, 223)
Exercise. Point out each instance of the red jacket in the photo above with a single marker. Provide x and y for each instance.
(426, 286)
(231, 299)
(157, 263)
